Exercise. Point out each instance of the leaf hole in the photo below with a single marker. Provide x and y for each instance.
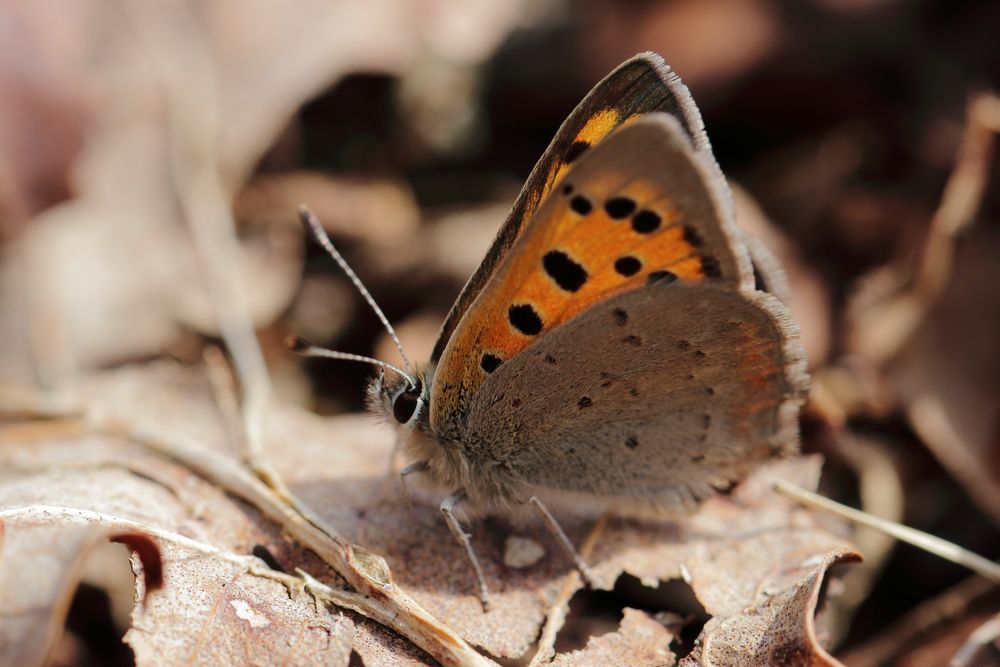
(596, 613)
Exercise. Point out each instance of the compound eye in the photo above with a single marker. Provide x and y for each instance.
(405, 404)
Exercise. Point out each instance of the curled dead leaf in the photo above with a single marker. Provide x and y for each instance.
(42, 557)
(149, 555)
(780, 627)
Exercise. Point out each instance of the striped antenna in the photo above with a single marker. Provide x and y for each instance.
(313, 225)
(306, 349)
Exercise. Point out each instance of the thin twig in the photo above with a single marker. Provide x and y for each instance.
(193, 112)
(970, 653)
(193, 118)
(880, 493)
(79, 516)
(226, 398)
(960, 201)
(76, 516)
(891, 326)
(935, 545)
(224, 390)
(367, 573)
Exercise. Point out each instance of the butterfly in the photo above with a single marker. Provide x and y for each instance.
(617, 344)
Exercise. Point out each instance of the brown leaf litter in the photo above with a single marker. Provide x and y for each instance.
(755, 561)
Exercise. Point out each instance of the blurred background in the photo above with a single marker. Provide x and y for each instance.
(152, 155)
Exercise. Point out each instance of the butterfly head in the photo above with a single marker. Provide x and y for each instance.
(402, 401)
(399, 396)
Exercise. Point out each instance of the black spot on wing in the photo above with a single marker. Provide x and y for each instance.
(566, 273)
(619, 207)
(692, 236)
(710, 267)
(524, 318)
(627, 266)
(584, 402)
(576, 149)
(490, 363)
(646, 222)
(581, 205)
(631, 442)
(621, 316)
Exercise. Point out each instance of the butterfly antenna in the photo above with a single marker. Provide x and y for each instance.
(307, 349)
(312, 223)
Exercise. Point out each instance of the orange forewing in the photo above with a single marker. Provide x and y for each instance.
(660, 228)
(596, 128)
(641, 85)
(594, 242)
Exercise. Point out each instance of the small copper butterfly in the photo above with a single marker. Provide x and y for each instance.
(613, 345)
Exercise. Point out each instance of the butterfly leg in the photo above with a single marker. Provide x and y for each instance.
(419, 466)
(563, 540)
(462, 537)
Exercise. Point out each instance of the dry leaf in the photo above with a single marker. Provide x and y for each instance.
(948, 376)
(211, 609)
(927, 327)
(737, 553)
(779, 629)
(43, 109)
(41, 561)
(187, 98)
(641, 641)
(376, 212)
(215, 612)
